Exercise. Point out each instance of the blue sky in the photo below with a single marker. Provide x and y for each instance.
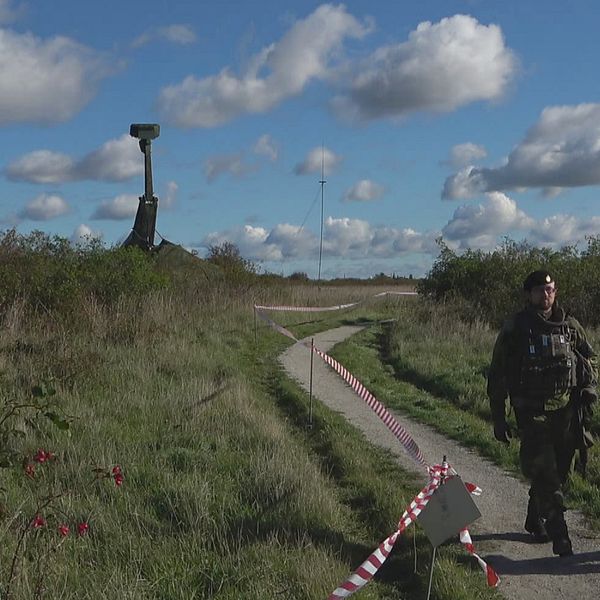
(470, 120)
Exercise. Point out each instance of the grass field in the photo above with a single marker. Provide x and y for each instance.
(226, 494)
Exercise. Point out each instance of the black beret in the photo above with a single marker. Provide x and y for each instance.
(537, 278)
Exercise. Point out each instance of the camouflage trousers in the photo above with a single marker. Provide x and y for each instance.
(546, 454)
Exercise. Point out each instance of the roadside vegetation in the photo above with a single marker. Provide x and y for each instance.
(486, 286)
(151, 447)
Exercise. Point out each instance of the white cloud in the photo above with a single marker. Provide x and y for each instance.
(266, 146)
(238, 164)
(479, 225)
(84, 234)
(364, 190)
(441, 67)
(468, 182)
(231, 164)
(45, 207)
(318, 158)
(170, 197)
(561, 150)
(119, 208)
(116, 160)
(45, 81)
(560, 230)
(409, 240)
(177, 34)
(41, 166)
(343, 238)
(252, 242)
(293, 241)
(465, 154)
(356, 240)
(277, 72)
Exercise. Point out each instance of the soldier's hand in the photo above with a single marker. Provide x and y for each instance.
(587, 397)
(502, 431)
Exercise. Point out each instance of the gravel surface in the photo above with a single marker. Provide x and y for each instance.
(527, 571)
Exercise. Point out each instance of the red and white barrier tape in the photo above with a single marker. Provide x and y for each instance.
(396, 294)
(283, 307)
(369, 567)
(307, 308)
(437, 473)
(408, 443)
(275, 326)
(473, 489)
(365, 572)
(492, 577)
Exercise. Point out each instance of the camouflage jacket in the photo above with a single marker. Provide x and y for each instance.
(511, 347)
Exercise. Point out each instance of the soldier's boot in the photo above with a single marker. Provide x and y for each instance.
(534, 523)
(557, 529)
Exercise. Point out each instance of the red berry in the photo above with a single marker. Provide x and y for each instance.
(40, 456)
(38, 521)
(63, 529)
(119, 479)
(82, 528)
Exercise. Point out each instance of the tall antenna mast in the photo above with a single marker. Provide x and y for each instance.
(322, 182)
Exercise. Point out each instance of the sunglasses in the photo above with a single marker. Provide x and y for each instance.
(546, 289)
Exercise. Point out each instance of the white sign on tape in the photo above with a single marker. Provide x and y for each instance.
(449, 510)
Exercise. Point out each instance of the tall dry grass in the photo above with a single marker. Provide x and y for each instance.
(222, 497)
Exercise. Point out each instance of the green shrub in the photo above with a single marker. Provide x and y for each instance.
(48, 272)
(227, 256)
(489, 284)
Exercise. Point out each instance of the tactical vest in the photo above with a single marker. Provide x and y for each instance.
(544, 361)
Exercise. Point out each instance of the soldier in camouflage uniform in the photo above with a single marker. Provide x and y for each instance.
(543, 362)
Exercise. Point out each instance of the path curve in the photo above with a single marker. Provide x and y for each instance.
(528, 571)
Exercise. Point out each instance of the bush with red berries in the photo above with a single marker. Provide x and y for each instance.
(38, 525)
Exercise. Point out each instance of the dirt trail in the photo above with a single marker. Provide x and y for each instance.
(528, 571)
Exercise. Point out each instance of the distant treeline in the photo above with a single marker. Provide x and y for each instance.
(376, 280)
(488, 285)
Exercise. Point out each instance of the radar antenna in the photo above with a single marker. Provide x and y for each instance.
(144, 226)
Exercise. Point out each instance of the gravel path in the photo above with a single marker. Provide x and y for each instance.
(528, 571)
